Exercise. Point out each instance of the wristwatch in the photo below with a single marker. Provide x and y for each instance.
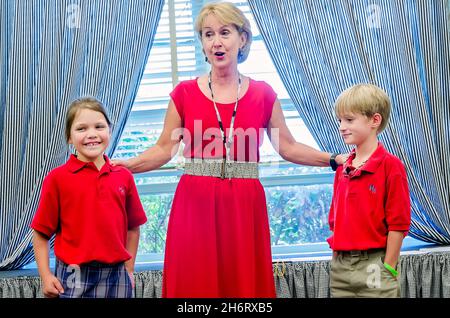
(333, 163)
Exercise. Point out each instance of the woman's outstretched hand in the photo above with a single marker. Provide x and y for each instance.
(119, 162)
(342, 158)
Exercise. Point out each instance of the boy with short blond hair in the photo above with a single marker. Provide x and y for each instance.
(370, 210)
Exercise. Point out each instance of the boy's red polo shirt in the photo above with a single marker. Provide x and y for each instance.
(90, 211)
(369, 202)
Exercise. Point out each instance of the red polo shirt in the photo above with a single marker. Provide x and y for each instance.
(369, 202)
(89, 210)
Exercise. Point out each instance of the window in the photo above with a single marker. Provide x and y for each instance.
(298, 197)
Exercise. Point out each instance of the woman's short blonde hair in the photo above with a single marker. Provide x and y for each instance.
(87, 102)
(227, 13)
(365, 99)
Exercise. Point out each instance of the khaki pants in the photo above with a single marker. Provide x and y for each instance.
(362, 274)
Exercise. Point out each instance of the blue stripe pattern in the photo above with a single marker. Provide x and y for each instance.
(321, 47)
(51, 52)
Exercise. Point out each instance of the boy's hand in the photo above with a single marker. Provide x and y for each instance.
(51, 286)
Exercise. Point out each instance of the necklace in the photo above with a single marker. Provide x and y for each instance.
(351, 170)
(227, 141)
(361, 164)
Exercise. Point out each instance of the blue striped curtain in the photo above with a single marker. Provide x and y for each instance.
(321, 47)
(51, 52)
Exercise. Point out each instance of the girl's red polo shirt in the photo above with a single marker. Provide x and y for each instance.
(90, 211)
(369, 202)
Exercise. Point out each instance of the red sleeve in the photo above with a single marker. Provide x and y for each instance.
(178, 94)
(135, 212)
(46, 219)
(397, 204)
(269, 99)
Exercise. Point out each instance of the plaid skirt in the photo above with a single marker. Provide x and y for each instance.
(94, 280)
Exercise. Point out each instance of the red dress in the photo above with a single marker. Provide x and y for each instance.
(218, 239)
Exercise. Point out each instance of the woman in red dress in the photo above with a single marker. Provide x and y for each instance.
(218, 240)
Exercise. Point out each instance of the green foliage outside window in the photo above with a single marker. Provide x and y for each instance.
(299, 214)
(153, 233)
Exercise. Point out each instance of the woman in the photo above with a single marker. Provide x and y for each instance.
(218, 240)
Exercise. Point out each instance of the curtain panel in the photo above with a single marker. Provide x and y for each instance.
(322, 47)
(52, 52)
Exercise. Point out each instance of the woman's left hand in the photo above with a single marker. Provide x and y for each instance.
(118, 162)
(342, 158)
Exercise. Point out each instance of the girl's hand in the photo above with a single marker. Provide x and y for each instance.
(51, 286)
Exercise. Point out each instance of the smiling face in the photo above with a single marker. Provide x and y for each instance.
(89, 134)
(356, 128)
(221, 42)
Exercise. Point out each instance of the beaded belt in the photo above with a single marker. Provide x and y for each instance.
(221, 168)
